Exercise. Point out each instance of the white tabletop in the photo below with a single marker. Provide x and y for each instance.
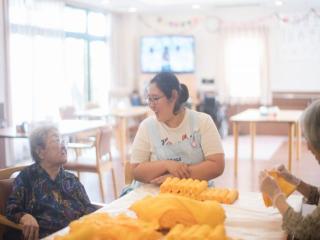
(247, 218)
(66, 127)
(132, 111)
(254, 115)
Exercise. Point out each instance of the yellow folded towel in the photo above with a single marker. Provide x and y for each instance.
(168, 210)
(198, 190)
(101, 226)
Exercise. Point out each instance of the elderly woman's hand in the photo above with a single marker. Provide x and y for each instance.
(269, 186)
(283, 172)
(30, 227)
(178, 169)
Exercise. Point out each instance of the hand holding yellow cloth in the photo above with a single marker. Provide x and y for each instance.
(286, 187)
(168, 210)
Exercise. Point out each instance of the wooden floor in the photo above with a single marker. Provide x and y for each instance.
(270, 151)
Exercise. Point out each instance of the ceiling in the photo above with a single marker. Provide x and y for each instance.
(160, 6)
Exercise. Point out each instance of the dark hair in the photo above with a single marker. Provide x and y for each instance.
(311, 124)
(167, 82)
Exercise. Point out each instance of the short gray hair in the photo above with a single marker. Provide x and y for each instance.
(311, 124)
(38, 138)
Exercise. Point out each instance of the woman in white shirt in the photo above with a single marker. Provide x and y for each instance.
(176, 141)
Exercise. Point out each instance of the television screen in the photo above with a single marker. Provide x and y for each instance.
(168, 54)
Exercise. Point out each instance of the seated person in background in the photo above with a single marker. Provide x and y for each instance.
(176, 141)
(301, 227)
(135, 98)
(46, 198)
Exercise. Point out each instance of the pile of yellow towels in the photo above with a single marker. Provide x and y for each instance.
(198, 190)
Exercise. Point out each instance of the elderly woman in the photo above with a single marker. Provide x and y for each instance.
(294, 223)
(45, 197)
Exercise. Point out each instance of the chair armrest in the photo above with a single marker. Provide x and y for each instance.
(5, 221)
(98, 205)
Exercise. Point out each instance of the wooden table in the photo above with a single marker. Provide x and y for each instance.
(253, 116)
(247, 218)
(122, 115)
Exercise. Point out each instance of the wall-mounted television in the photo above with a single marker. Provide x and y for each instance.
(167, 54)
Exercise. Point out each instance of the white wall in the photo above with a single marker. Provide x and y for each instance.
(2, 97)
(287, 72)
(124, 50)
(295, 54)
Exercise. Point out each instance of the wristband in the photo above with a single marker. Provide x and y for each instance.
(296, 181)
(275, 198)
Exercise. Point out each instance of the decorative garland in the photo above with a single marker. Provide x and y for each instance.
(214, 23)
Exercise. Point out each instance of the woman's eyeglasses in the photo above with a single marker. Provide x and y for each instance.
(61, 141)
(153, 99)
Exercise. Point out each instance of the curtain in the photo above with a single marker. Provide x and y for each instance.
(37, 67)
(243, 66)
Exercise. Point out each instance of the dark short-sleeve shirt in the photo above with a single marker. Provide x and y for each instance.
(54, 204)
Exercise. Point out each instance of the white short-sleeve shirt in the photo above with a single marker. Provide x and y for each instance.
(143, 149)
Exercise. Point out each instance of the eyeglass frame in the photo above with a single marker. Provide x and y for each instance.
(153, 99)
(61, 141)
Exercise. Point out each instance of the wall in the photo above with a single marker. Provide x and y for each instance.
(287, 72)
(295, 53)
(1, 53)
(2, 92)
(124, 44)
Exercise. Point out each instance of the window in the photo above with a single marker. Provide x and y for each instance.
(87, 51)
(243, 67)
(56, 62)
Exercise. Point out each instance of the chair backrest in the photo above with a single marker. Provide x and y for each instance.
(128, 176)
(67, 112)
(5, 191)
(6, 182)
(92, 105)
(7, 173)
(103, 144)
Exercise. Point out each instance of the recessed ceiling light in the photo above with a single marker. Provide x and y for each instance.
(106, 2)
(195, 6)
(132, 10)
(278, 3)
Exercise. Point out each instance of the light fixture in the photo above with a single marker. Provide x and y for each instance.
(278, 3)
(106, 2)
(132, 10)
(195, 6)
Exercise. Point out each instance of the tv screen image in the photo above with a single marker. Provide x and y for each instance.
(167, 53)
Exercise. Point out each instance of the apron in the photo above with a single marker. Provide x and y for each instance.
(188, 151)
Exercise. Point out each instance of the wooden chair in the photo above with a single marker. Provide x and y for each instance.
(67, 112)
(6, 183)
(103, 159)
(128, 176)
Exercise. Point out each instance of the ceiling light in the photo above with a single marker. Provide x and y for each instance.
(278, 3)
(132, 10)
(195, 6)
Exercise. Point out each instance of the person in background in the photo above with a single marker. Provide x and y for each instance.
(176, 141)
(301, 227)
(46, 198)
(135, 98)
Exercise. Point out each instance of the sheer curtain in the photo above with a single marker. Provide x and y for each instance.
(244, 65)
(37, 66)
